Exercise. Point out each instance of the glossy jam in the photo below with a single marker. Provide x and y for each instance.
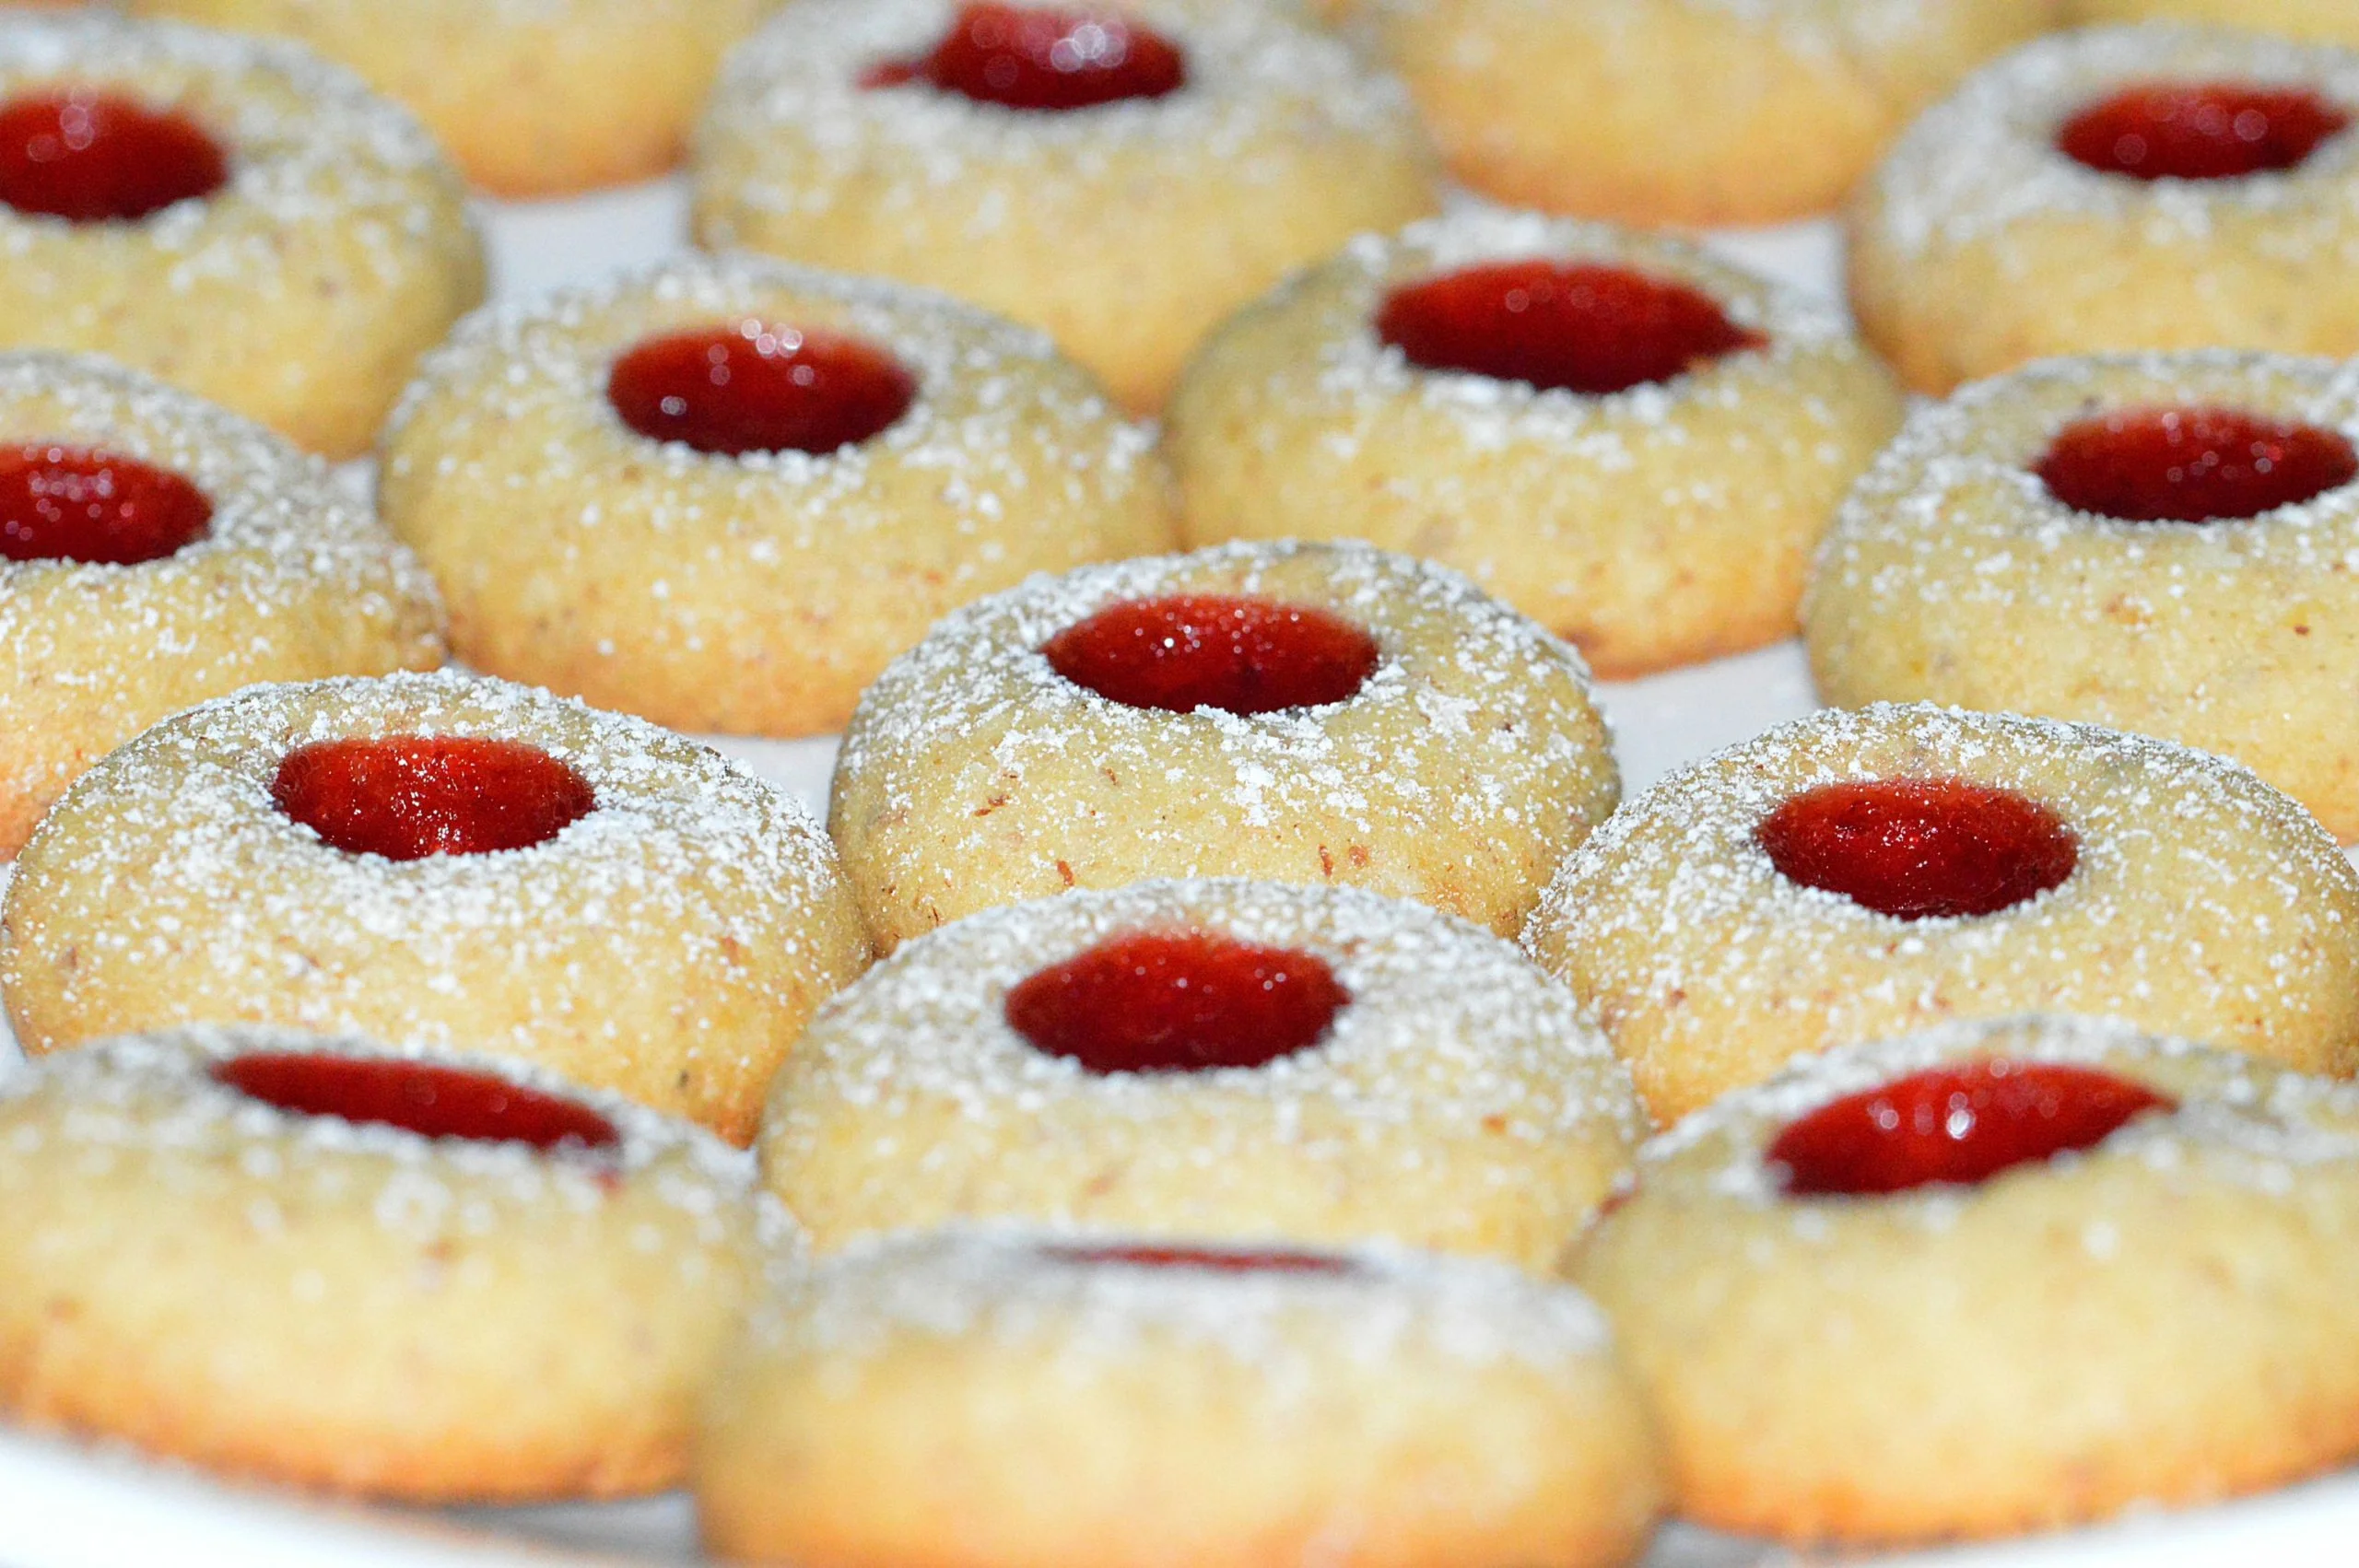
(1176, 1001)
(2199, 131)
(83, 504)
(435, 1102)
(1209, 1260)
(753, 387)
(1042, 59)
(93, 157)
(1196, 651)
(1958, 1125)
(1920, 849)
(409, 797)
(1584, 329)
(2192, 464)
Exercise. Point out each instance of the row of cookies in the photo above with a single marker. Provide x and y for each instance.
(1168, 1065)
(1793, 104)
(967, 152)
(1429, 391)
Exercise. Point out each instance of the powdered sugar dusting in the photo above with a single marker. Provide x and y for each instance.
(1446, 1024)
(1919, 530)
(1952, 572)
(2196, 882)
(290, 578)
(155, 1094)
(1486, 714)
(1358, 375)
(1985, 159)
(2253, 1122)
(1253, 73)
(998, 1283)
(310, 148)
(980, 379)
(687, 855)
(280, 527)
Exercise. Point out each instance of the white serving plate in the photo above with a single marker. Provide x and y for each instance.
(64, 1506)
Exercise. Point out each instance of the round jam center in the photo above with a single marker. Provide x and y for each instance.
(1958, 1125)
(436, 1101)
(1920, 849)
(1583, 329)
(1207, 1258)
(409, 796)
(1176, 1001)
(753, 387)
(81, 503)
(1045, 59)
(92, 158)
(1211, 650)
(2199, 131)
(2192, 464)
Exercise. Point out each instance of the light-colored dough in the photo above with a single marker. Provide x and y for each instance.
(316, 1302)
(2166, 1318)
(2328, 21)
(1979, 246)
(669, 945)
(2203, 903)
(1664, 524)
(301, 293)
(1954, 576)
(1469, 764)
(291, 581)
(1127, 230)
(756, 594)
(964, 1399)
(533, 97)
(1458, 1100)
(1686, 111)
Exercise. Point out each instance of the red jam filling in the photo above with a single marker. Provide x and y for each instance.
(1176, 1001)
(1209, 1259)
(1583, 329)
(756, 388)
(1957, 1125)
(1046, 59)
(409, 796)
(2199, 131)
(1920, 849)
(1198, 651)
(93, 157)
(2192, 464)
(435, 1102)
(80, 504)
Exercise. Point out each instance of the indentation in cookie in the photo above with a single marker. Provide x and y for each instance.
(760, 387)
(1956, 1125)
(1208, 1260)
(411, 796)
(1576, 327)
(2192, 464)
(1920, 849)
(1239, 655)
(1176, 1001)
(95, 158)
(422, 1097)
(2199, 131)
(85, 504)
(1043, 59)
